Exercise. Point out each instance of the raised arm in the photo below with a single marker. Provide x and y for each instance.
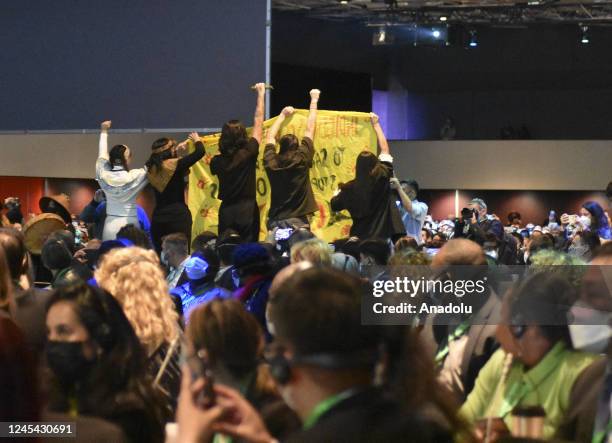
(271, 137)
(380, 135)
(404, 199)
(189, 160)
(312, 115)
(259, 112)
(103, 144)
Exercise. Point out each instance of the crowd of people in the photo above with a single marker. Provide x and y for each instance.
(142, 333)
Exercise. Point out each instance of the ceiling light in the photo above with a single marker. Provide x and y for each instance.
(443, 18)
(585, 35)
(473, 39)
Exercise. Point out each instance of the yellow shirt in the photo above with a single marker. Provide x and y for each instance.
(548, 384)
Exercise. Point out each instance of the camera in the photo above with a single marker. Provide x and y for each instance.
(467, 213)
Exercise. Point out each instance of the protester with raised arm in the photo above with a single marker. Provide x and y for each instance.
(167, 174)
(235, 166)
(289, 171)
(120, 184)
(369, 198)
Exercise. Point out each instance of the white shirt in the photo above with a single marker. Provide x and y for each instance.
(175, 274)
(120, 186)
(414, 220)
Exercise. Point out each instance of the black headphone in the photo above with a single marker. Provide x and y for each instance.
(280, 366)
(517, 325)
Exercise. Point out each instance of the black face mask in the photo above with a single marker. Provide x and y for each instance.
(67, 361)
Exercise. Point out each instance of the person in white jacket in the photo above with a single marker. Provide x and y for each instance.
(120, 184)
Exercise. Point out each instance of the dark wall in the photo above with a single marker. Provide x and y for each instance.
(143, 63)
(540, 77)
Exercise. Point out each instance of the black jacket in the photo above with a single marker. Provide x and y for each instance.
(372, 417)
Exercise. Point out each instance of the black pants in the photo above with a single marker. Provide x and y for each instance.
(242, 216)
(170, 220)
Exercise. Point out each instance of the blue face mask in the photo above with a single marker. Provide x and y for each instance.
(196, 268)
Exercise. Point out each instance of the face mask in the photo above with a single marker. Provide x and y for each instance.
(67, 361)
(196, 268)
(585, 221)
(493, 254)
(594, 332)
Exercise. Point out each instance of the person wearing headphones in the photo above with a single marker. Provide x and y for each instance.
(536, 366)
(324, 363)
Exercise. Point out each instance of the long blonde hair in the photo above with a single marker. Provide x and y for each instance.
(134, 277)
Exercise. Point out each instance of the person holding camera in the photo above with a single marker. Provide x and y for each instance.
(475, 224)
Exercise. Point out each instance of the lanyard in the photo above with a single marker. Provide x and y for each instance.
(457, 333)
(325, 406)
(600, 436)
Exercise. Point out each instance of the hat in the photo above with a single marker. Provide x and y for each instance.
(56, 204)
(537, 229)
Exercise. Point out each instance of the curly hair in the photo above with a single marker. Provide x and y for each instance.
(135, 278)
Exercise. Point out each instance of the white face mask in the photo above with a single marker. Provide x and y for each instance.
(585, 221)
(493, 254)
(594, 336)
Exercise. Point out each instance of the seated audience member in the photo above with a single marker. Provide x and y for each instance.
(57, 258)
(584, 244)
(480, 224)
(30, 302)
(97, 364)
(534, 245)
(136, 236)
(225, 246)
(409, 257)
(593, 218)
(407, 243)
(230, 342)
(314, 251)
(200, 269)
(134, 277)
(174, 255)
(412, 211)
(374, 252)
(204, 240)
(536, 365)
(462, 344)
(254, 268)
(426, 236)
(588, 416)
(325, 373)
(514, 220)
(20, 399)
(13, 211)
(345, 263)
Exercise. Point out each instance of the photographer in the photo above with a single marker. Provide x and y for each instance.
(475, 224)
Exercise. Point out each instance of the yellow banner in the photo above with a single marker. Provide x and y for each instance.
(339, 138)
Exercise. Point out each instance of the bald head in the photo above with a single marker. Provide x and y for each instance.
(460, 251)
